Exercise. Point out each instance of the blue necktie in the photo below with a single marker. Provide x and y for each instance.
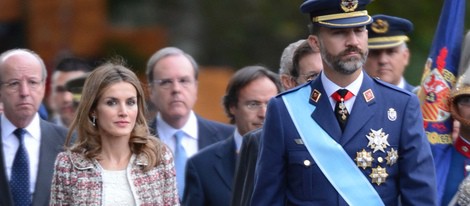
(180, 162)
(19, 181)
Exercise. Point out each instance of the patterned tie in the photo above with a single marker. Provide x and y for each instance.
(341, 111)
(180, 162)
(19, 181)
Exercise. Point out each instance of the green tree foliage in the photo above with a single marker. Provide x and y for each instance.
(239, 33)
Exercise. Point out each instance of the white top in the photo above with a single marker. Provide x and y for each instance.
(116, 187)
(190, 129)
(32, 141)
(331, 88)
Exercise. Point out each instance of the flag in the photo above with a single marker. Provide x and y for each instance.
(439, 76)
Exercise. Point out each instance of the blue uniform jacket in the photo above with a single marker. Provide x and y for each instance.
(284, 177)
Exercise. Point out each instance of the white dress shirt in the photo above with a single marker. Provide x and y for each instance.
(32, 140)
(238, 140)
(190, 129)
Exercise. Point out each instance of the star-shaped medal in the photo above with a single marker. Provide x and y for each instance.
(377, 140)
(364, 159)
(392, 157)
(379, 175)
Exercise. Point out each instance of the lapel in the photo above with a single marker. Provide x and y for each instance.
(225, 162)
(153, 127)
(51, 144)
(324, 114)
(363, 109)
(206, 133)
(4, 186)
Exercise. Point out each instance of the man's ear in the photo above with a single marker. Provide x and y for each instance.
(287, 81)
(314, 42)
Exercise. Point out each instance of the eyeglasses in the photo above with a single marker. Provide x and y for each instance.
(309, 76)
(255, 105)
(14, 85)
(168, 83)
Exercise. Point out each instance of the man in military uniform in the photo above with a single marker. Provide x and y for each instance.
(388, 53)
(344, 138)
(455, 165)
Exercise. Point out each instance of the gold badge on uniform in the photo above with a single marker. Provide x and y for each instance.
(392, 157)
(379, 175)
(368, 95)
(380, 26)
(315, 96)
(378, 140)
(349, 5)
(364, 159)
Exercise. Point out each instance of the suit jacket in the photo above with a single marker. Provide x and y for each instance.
(209, 132)
(245, 171)
(52, 142)
(286, 174)
(209, 175)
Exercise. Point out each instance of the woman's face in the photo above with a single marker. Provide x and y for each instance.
(117, 110)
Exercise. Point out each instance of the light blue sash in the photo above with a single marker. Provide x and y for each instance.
(330, 157)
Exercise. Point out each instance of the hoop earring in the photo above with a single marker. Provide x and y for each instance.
(93, 122)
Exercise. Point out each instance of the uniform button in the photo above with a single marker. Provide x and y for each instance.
(307, 163)
(380, 159)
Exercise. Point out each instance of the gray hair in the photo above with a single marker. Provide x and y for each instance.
(286, 66)
(5, 55)
(165, 52)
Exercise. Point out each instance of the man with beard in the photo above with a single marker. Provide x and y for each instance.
(344, 138)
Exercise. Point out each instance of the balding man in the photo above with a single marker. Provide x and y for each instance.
(29, 144)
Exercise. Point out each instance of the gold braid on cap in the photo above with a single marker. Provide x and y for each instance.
(320, 19)
(388, 39)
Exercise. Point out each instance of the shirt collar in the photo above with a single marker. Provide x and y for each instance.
(33, 129)
(167, 131)
(330, 87)
(238, 139)
(401, 84)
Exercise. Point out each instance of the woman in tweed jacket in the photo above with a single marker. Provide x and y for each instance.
(114, 160)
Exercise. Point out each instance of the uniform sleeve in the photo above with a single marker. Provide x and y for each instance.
(417, 176)
(60, 187)
(193, 191)
(270, 173)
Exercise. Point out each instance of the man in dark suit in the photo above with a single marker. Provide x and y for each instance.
(209, 174)
(299, 64)
(172, 75)
(29, 144)
(344, 138)
(388, 53)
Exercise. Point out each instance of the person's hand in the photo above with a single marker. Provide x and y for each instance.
(455, 130)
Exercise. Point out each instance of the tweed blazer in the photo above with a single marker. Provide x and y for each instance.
(78, 181)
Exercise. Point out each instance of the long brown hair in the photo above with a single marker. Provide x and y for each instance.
(88, 139)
